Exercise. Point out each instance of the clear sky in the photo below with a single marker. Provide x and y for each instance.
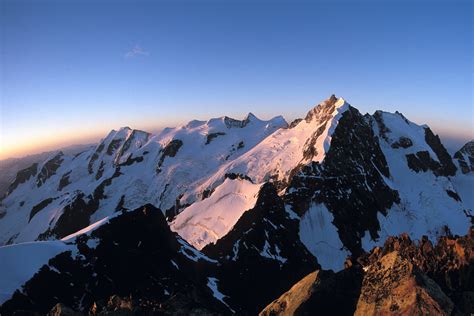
(73, 70)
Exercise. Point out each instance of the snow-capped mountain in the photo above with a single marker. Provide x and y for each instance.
(263, 202)
(127, 169)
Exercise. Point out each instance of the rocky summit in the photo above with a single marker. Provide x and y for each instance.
(338, 212)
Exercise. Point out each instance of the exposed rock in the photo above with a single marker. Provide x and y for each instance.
(394, 285)
(132, 264)
(447, 167)
(75, 216)
(94, 157)
(422, 161)
(137, 137)
(262, 254)
(383, 129)
(321, 292)
(64, 181)
(234, 176)
(295, 122)
(231, 123)
(322, 110)
(169, 150)
(113, 146)
(353, 197)
(100, 171)
(62, 310)
(403, 142)
(454, 195)
(465, 157)
(211, 136)
(450, 263)
(23, 176)
(38, 207)
(49, 168)
(131, 160)
(402, 278)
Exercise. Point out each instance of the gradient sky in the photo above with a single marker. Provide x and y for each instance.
(72, 70)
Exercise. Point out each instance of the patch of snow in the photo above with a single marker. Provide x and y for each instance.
(193, 254)
(291, 213)
(206, 221)
(212, 284)
(175, 264)
(267, 252)
(89, 228)
(320, 236)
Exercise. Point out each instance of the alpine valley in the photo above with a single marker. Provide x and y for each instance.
(336, 213)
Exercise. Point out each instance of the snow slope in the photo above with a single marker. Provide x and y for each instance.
(130, 168)
(277, 155)
(425, 207)
(18, 263)
(320, 236)
(208, 220)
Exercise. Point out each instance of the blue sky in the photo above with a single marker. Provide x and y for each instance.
(72, 70)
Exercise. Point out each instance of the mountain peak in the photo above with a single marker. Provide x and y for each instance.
(251, 117)
(327, 106)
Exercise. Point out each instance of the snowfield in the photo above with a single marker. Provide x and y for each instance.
(18, 263)
(208, 220)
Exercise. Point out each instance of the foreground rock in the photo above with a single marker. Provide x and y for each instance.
(394, 285)
(403, 277)
(326, 292)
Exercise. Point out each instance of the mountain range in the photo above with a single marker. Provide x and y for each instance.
(245, 216)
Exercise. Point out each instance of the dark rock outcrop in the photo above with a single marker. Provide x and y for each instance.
(401, 278)
(64, 182)
(23, 176)
(402, 142)
(446, 166)
(349, 181)
(38, 207)
(321, 292)
(132, 262)
(94, 157)
(465, 157)
(170, 150)
(211, 136)
(262, 254)
(75, 216)
(49, 169)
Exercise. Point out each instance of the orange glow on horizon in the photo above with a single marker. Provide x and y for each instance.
(55, 138)
(39, 144)
(31, 143)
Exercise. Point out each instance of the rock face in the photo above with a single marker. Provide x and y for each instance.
(262, 254)
(353, 197)
(401, 278)
(23, 176)
(132, 255)
(394, 285)
(465, 157)
(321, 292)
(449, 263)
(49, 168)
